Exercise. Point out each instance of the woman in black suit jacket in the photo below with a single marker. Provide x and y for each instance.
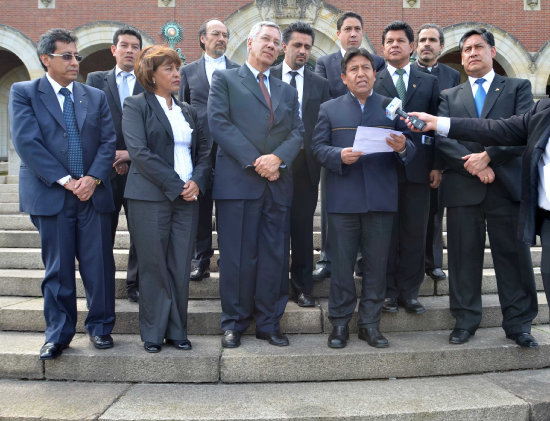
(170, 166)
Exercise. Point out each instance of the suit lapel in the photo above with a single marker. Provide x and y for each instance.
(49, 98)
(276, 91)
(250, 82)
(80, 104)
(110, 79)
(387, 85)
(467, 99)
(498, 85)
(159, 112)
(415, 80)
(201, 74)
(307, 88)
(137, 88)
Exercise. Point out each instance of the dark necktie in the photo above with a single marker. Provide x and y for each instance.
(76, 169)
(266, 95)
(293, 78)
(479, 99)
(400, 85)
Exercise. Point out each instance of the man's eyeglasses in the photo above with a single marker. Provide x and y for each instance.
(67, 56)
(216, 34)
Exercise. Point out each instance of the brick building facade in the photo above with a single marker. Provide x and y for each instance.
(521, 28)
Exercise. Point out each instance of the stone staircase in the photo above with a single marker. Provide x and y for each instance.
(419, 377)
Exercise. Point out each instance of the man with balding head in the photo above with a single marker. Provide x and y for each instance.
(194, 89)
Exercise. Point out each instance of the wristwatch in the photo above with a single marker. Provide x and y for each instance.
(97, 180)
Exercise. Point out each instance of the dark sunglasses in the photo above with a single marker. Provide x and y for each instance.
(68, 56)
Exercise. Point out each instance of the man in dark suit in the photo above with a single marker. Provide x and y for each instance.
(418, 91)
(361, 198)
(254, 119)
(533, 130)
(194, 89)
(63, 132)
(430, 43)
(117, 84)
(313, 90)
(490, 197)
(349, 30)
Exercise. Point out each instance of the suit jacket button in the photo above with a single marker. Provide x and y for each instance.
(65, 134)
(267, 116)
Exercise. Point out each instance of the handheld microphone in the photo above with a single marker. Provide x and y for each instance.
(394, 108)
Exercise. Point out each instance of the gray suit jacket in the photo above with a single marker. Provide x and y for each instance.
(505, 98)
(150, 141)
(239, 121)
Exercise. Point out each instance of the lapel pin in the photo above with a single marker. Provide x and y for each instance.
(414, 85)
(497, 89)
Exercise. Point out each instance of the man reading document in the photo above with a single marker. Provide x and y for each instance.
(361, 197)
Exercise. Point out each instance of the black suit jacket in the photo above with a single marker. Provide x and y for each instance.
(194, 89)
(316, 91)
(330, 67)
(106, 81)
(447, 77)
(422, 95)
(150, 142)
(531, 129)
(505, 98)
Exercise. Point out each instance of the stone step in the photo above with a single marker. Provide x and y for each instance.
(26, 283)
(26, 314)
(307, 359)
(488, 397)
(30, 258)
(9, 188)
(9, 197)
(9, 208)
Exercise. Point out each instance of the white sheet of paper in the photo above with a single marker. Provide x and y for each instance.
(546, 172)
(372, 140)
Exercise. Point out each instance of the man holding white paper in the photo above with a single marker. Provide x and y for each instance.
(361, 197)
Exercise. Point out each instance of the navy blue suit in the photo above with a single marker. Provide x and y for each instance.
(253, 213)
(68, 227)
(361, 201)
(194, 89)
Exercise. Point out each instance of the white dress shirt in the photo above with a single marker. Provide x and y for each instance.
(395, 76)
(287, 77)
(488, 80)
(61, 99)
(183, 164)
(213, 64)
(255, 72)
(543, 187)
(130, 80)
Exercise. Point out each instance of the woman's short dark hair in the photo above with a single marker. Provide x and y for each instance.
(149, 60)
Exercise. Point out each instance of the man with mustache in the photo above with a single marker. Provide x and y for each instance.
(254, 118)
(313, 90)
(194, 88)
(118, 83)
(430, 43)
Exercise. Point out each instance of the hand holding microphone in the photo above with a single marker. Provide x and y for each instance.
(394, 108)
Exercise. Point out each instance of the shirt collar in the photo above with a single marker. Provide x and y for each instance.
(118, 70)
(209, 59)
(56, 86)
(287, 69)
(255, 72)
(392, 69)
(164, 105)
(488, 77)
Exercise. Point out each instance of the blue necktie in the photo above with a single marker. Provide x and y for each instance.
(76, 169)
(123, 89)
(479, 99)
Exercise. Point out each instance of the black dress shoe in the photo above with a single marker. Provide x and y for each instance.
(152, 347)
(304, 300)
(339, 336)
(525, 340)
(199, 273)
(321, 273)
(133, 295)
(373, 337)
(50, 351)
(390, 305)
(274, 338)
(231, 339)
(102, 341)
(436, 274)
(183, 344)
(412, 306)
(459, 336)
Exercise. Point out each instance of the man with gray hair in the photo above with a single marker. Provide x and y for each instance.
(254, 119)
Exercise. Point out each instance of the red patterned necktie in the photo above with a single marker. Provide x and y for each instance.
(266, 95)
